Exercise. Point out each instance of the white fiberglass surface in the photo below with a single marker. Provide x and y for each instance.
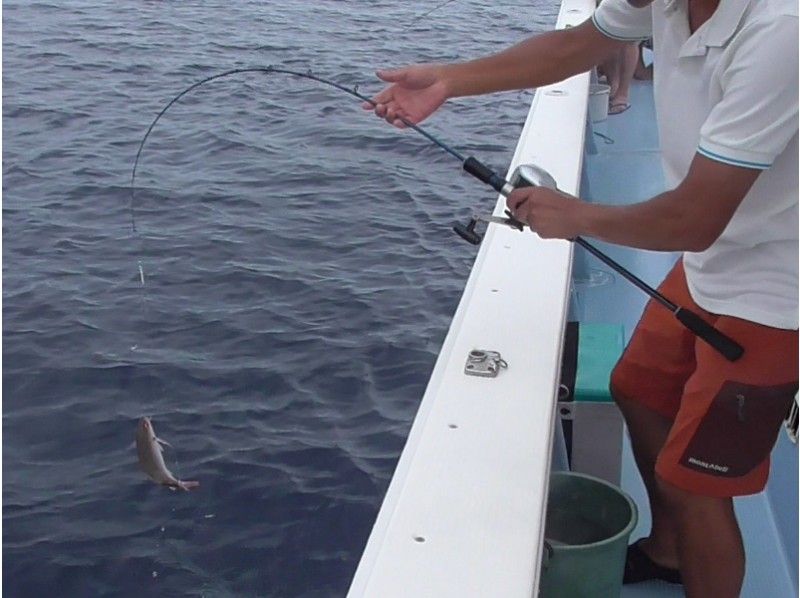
(463, 515)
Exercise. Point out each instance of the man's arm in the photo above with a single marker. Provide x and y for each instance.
(417, 91)
(688, 218)
(537, 61)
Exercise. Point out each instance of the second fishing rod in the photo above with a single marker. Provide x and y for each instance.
(525, 175)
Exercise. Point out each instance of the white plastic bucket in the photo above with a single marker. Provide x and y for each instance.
(598, 101)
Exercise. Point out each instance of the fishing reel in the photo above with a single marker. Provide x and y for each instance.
(524, 175)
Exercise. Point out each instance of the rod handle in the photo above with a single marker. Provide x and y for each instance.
(484, 174)
(728, 347)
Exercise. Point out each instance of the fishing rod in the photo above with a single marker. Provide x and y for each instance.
(529, 175)
(267, 70)
(525, 175)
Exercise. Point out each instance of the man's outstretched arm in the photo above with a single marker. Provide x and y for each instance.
(417, 91)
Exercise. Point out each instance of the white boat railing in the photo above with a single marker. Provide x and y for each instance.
(464, 512)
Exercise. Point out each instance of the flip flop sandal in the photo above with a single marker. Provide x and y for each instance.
(618, 107)
(640, 567)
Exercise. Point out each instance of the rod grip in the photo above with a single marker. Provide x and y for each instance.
(728, 347)
(483, 173)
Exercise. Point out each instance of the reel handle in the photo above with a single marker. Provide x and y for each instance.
(468, 232)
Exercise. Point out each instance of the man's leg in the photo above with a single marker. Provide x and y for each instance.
(710, 545)
(648, 431)
(719, 446)
(647, 385)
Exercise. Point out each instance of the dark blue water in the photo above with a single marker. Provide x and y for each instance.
(300, 278)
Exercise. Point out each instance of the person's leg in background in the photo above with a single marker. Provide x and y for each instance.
(643, 72)
(620, 77)
(619, 70)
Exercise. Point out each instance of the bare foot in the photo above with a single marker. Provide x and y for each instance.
(618, 106)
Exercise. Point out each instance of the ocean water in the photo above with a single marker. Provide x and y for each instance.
(300, 276)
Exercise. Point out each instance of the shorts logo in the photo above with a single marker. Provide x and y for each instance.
(709, 466)
(736, 434)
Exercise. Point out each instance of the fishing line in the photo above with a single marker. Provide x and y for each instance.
(525, 175)
(425, 14)
(268, 70)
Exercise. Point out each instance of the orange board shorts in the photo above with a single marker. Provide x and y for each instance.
(725, 415)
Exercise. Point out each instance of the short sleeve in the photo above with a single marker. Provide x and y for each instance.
(619, 20)
(756, 116)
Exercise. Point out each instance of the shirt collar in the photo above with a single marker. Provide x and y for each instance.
(715, 32)
(724, 22)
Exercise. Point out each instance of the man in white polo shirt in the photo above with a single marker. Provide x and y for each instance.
(725, 86)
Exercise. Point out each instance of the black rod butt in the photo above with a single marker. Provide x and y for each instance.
(724, 344)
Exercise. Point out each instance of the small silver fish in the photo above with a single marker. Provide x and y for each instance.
(148, 446)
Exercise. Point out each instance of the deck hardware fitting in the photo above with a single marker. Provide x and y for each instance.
(565, 410)
(483, 363)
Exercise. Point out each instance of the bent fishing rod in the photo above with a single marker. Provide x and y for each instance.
(523, 176)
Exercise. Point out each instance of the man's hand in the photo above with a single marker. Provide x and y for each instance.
(551, 214)
(416, 93)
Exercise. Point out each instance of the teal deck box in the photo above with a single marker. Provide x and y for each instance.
(593, 425)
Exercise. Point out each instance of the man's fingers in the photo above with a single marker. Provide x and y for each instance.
(380, 110)
(384, 96)
(390, 113)
(393, 119)
(515, 201)
(392, 75)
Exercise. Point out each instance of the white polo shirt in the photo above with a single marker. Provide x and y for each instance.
(729, 92)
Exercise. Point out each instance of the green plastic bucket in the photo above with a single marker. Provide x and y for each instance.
(588, 525)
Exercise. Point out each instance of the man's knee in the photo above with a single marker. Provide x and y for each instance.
(621, 389)
(638, 396)
(674, 498)
(684, 504)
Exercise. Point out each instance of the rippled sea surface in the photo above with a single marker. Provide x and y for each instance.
(300, 278)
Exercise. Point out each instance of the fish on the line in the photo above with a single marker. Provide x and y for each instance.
(151, 459)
